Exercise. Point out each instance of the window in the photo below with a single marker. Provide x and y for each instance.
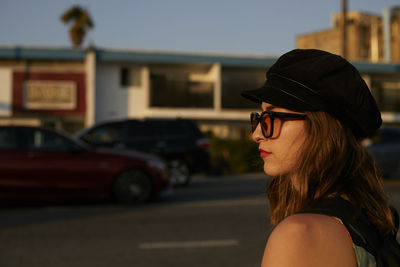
(130, 77)
(44, 140)
(143, 129)
(174, 87)
(103, 134)
(391, 99)
(124, 77)
(236, 80)
(8, 139)
(387, 94)
(175, 128)
(387, 135)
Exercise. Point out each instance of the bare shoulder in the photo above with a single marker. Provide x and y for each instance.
(311, 225)
(309, 240)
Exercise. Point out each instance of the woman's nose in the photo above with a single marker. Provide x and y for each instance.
(257, 135)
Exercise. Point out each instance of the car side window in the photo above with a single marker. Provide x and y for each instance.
(142, 129)
(103, 134)
(387, 136)
(174, 129)
(39, 139)
(8, 138)
(390, 136)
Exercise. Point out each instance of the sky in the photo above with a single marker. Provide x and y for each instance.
(246, 27)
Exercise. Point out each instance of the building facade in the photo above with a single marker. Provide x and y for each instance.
(44, 86)
(370, 37)
(71, 89)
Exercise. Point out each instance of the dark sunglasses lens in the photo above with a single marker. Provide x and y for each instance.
(254, 121)
(266, 124)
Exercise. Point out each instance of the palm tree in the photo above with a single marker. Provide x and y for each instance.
(81, 23)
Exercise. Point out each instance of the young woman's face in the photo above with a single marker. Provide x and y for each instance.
(282, 151)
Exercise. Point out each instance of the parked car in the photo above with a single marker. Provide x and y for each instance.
(179, 141)
(36, 162)
(385, 147)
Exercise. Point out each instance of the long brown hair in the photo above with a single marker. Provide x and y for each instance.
(333, 163)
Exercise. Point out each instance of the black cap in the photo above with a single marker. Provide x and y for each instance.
(310, 79)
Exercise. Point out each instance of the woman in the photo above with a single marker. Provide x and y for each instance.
(316, 109)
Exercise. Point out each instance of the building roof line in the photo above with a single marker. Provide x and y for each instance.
(138, 56)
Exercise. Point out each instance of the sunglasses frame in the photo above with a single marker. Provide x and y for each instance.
(272, 114)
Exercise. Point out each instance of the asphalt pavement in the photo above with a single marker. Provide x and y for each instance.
(212, 222)
(215, 221)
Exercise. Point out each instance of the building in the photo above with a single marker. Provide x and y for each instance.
(370, 37)
(75, 88)
(45, 86)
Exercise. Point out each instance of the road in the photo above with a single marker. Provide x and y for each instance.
(213, 222)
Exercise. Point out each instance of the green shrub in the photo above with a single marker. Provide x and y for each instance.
(234, 156)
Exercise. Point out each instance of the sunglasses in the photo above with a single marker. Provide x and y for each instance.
(268, 122)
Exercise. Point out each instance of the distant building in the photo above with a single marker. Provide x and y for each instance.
(75, 88)
(370, 37)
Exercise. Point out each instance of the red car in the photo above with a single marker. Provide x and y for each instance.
(37, 162)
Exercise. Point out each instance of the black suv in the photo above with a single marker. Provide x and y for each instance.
(385, 147)
(179, 141)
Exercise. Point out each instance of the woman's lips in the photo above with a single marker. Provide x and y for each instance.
(264, 153)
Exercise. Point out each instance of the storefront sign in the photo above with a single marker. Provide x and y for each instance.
(50, 95)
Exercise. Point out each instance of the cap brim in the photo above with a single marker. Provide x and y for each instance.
(277, 97)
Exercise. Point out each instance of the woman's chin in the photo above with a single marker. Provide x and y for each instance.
(272, 169)
(269, 171)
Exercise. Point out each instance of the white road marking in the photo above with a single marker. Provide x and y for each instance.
(190, 244)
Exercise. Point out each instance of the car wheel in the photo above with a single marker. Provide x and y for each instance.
(131, 187)
(179, 173)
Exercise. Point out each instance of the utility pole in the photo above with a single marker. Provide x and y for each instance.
(344, 28)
